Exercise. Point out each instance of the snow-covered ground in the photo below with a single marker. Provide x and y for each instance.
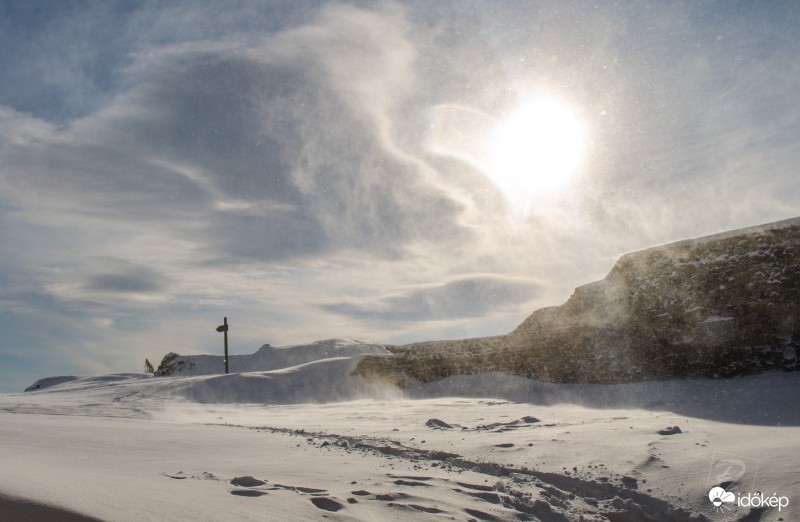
(311, 441)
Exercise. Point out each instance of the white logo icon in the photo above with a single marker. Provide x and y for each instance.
(719, 497)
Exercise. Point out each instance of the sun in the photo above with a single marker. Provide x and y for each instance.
(536, 151)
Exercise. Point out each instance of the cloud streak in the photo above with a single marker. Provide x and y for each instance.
(458, 299)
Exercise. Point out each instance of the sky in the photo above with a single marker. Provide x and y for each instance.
(384, 171)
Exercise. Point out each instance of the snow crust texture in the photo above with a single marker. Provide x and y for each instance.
(107, 446)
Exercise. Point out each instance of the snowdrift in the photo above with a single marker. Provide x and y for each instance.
(266, 358)
(325, 380)
(316, 372)
(312, 438)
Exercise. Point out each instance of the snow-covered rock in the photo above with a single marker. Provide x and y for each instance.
(47, 382)
(723, 305)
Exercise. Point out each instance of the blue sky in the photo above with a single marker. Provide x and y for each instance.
(164, 164)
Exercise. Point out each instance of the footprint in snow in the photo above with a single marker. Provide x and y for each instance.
(248, 492)
(388, 497)
(492, 498)
(479, 487)
(327, 503)
(311, 491)
(401, 482)
(410, 477)
(480, 515)
(417, 507)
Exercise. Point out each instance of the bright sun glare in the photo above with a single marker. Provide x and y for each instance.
(536, 152)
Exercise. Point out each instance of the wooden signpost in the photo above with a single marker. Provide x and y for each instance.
(224, 328)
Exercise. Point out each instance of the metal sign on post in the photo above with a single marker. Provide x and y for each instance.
(224, 328)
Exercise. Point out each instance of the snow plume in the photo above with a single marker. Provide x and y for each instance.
(316, 372)
(315, 382)
(353, 70)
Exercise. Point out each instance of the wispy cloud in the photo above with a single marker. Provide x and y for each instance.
(458, 299)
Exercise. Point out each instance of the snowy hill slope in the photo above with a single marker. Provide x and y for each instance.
(635, 451)
(313, 438)
(325, 380)
(317, 372)
(266, 358)
(727, 304)
(321, 381)
(47, 382)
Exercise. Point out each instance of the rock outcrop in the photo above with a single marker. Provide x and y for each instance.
(723, 305)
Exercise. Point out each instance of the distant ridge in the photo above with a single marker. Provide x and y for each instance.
(267, 358)
(720, 305)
